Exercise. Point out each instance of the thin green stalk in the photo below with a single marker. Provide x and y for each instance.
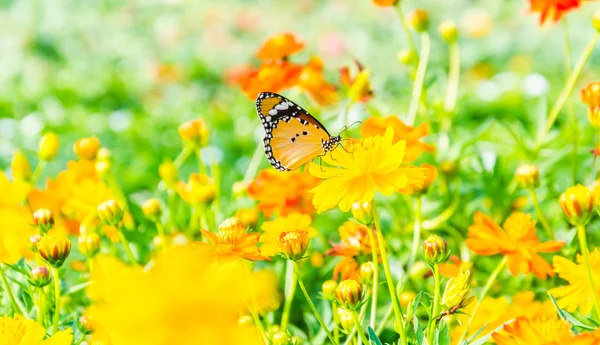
(201, 166)
(453, 78)
(564, 95)
(350, 336)
(388, 277)
(359, 328)
(375, 259)
(583, 248)
(125, 243)
(404, 22)
(56, 316)
(40, 305)
(416, 235)
(9, 292)
(160, 228)
(484, 292)
(310, 303)
(573, 125)
(541, 216)
(435, 310)
(336, 322)
(37, 172)
(290, 289)
(183, 155)
(388, 315)
(253, 309)
(419, 79)
(81, 339)
(254, 165)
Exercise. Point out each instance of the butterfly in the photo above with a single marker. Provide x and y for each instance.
(293, 137)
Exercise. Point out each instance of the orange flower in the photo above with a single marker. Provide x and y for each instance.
(274, 76)
(541, 331)
(15, 221)
(453, 266)
(553, 9)
(413, 135)
(279, 47)
(516, 239)
(355, 248)
(283, 193)
(385, 3)
(232, 243)
(312, 80)
(430, 176)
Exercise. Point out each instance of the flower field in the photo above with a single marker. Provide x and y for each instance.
(308, 172)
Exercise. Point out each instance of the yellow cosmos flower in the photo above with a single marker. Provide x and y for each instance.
(181, 299)
(21, 331)
(541, 331)
(15, 220)
(274, 229)
(362, 168)
(578, 294)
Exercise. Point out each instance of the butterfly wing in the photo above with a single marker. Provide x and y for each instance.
(293, 137)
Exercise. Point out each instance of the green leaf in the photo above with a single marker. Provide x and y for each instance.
(76, 288)
(475, 335)
(373, 337)
(486, 337)
(415, 302)
(565, 315)
(419, 333)
(442, 335)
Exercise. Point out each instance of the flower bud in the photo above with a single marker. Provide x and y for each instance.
(448, 31)
(168, 173)
(232, 224)
(54, 250)
(293, 244)
(363, 212)
(528, 176)
(435, 250)
(385, 3)
(595, 189)
(367, 270)
(200, 189)
(247, 216)
(418, 270)
(21, 169)
(328, 289)
(33, 241)
(152, 209)
(346, 319)
(419, 20)
(85, 325)
(408, 57)
(594, 116)
(87, 148)
(360, 87)
(194, 132)
(596, 21)
(430, 176)
(43, 219)
(103, 162)
(89, 244)
(449, 169)
(40, 276)
(48, 146)
(110, 212)
(590, 94)
(457, 294)
(281, 338)
(348, 294)
(239, 188)
(406, 297)
(577, 203)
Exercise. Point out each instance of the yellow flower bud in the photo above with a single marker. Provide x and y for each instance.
(419, 20)
(43, 219)
(40, 276)
(200, 189)
(348, 294)
(435, 250)
(232, 224)
(408, 57)
(328, 289)
(89, 244)
(247, 216)
(293, 244)
(596, 21)
(103, 162)
(367, 270)
(594, 116)
(281, 338)
(346, 319)
(21, 169)
(54, 250)
(528, 175)
(406, 297)
(48, 146)
(194, 132)
(595, 189)
(152, 208)
(239, 188)
(362, 212)
(87, 148)
(448, 31)
(577, 204)
(110, 212)
(418, 270)
(457, 294)
(449, 169)
(85, 325)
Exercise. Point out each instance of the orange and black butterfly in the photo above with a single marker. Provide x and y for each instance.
(293, 137)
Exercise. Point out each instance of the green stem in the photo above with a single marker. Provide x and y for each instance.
(404, 22)
(538, 209)
(435, 310)
(388, 277)
(201, 166)
(573, 125)
(336, 322)
(359, 328)
(585, 253)
(310, 303)
(253, 309)
(290, 289)
(160, 228)
(83, 336)
(56, 316)
(416, 235)
(9, 292)
(375, 259)
(254, 165)
(183, 155)
(419, 79)
(483, 293)
(37, 172)
(562, 99)
(125, 243)
(453, 78)
(388, 315)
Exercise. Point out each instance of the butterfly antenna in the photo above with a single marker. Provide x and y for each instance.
(348, 127)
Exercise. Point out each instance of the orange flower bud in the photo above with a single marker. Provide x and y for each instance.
(194, 132)
(247, 216)
(21, 169)
(89, 244)
(54, 250)
(328, 289)
(43, 219)
(590, 94)
(40, 276)
(448, 31)
(385, 3)
(348, 294)
(367, 270)
(362, 212)
(85, 325)
(110, 212)
(435, 250)
(48, 146)
(33, 241)
(87, 148)
(152, 208)
(577, 203)
(293, 244)
(594, 116)
(232, 224)
(419, 20)
(168, 173)
(528, 175)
